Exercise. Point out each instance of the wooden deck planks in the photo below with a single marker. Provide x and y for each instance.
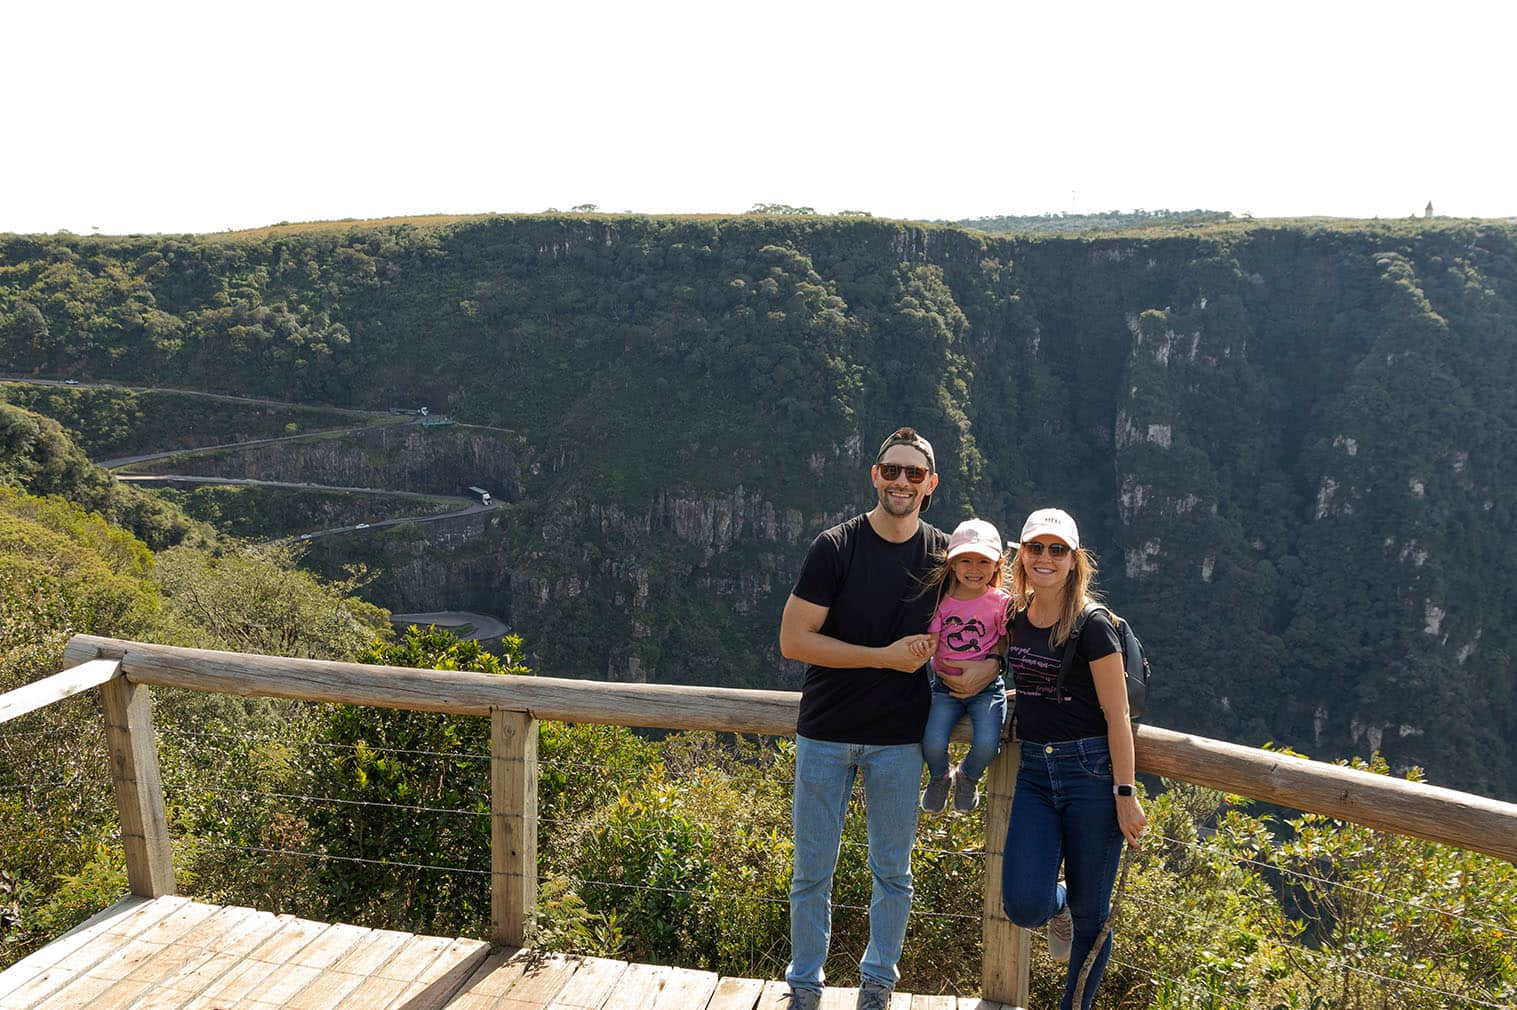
(685, 988)
(736, 994)
(773, 996)
(541, 978)
(43, 971)
(171, 953)
(591, 985)
(435, 987)
(115, 969)
(639, 986)
(921, 1002)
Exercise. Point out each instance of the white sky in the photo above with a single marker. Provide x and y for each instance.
(203, 116)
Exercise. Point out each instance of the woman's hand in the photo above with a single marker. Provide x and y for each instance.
(1131, 819)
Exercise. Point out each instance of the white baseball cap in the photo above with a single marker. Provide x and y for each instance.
(975, 536)
(1054, 522)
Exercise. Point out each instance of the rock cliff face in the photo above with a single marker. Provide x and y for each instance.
(393, 457)
(1290, 447)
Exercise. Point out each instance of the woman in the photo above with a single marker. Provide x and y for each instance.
(1075, 798)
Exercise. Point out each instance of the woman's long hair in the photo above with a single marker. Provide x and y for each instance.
(1079, 588)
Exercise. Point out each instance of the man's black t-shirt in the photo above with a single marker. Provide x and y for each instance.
(873, 591)
(1043, 716)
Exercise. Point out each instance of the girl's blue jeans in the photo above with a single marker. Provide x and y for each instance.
(987, 714)
(824, 775)
(1063, 812)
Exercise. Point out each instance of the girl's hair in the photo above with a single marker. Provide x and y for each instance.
(1079, 588)
(938, 580)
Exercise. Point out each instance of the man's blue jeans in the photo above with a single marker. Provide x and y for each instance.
(1064, 812)
(824, 775)
(987, 714)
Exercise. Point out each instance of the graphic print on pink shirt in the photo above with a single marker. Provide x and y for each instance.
(968, 629)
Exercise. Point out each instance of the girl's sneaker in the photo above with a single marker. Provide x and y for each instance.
(935, 796)
(966, 794)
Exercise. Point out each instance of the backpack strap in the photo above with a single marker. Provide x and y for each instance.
(1073, 641)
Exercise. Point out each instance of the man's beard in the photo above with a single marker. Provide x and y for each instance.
(899, 509)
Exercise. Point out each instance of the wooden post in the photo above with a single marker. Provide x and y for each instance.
(133, 749)
(1005, 967)
(513, 826)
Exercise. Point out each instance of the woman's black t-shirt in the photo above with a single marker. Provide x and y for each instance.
(1033, 661)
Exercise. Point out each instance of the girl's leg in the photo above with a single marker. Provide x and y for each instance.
(1092, 852)
(941, 717)
(1030, 891)
(987, 713)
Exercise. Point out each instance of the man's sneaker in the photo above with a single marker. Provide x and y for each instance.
(872, 995)
(935, 796)
(966, 794)
(1061, 933)
(801, 999)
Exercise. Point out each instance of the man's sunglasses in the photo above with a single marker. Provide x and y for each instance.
(890, 471)
(1035, 548)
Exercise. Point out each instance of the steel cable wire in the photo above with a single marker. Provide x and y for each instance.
(1303, 875)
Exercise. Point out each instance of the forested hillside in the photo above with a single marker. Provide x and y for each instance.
(1285, 442)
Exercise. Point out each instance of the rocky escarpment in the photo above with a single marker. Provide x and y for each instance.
(392, 457)
(729, 558)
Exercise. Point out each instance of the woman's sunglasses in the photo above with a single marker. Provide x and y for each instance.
(890, 471)
(1035, 548)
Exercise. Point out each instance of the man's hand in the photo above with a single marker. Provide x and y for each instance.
(975, 676)
(907, 654)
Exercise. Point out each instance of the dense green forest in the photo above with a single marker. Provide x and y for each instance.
(1284, 441)
(380, 817)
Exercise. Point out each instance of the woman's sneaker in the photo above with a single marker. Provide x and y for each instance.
(966, 794)
(935, 796)
(1061, 933)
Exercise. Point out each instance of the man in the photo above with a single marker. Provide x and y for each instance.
(856, 611)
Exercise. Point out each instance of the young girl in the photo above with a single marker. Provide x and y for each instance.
(970, 622)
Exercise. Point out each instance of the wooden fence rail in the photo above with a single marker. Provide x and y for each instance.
(515, 704)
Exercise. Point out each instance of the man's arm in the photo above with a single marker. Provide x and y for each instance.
(801, 638)
(975, 676)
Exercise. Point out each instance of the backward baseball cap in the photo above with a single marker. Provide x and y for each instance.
(909, 437)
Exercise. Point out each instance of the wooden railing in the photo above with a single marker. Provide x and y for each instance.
(125, 671)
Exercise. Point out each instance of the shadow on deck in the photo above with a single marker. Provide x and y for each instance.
(171, 952)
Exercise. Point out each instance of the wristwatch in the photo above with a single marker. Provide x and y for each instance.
(1124, 790)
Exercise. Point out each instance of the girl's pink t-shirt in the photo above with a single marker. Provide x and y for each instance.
(968, 629)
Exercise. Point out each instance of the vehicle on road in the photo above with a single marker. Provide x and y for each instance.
(71, 382)
(361, 526)
(481, 494)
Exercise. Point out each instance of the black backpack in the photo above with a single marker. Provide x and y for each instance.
(1134, 661)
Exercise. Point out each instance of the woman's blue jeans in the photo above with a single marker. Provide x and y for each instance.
(824, 775)
(1063, 812)
(987, 714)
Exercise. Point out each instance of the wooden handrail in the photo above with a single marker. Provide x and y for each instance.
(42, 693)
(1376, 801)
